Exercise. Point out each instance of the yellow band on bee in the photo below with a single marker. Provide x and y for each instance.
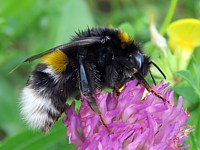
(124, 37)
(57, 60)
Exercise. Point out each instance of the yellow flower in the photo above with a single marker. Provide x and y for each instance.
(184, 37)
(185, 33)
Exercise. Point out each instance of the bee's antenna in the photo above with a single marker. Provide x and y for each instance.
(151, 62)
(152, 77)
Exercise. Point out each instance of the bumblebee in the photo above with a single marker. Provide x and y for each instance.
(94, 59)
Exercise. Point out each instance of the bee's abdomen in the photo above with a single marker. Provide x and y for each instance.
(43, 98)
(38, 110)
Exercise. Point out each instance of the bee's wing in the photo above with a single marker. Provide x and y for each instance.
(78, 43)
(82, 42)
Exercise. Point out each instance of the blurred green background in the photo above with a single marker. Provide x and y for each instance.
(30, 27)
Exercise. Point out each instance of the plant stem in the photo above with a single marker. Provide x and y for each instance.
(169, 16)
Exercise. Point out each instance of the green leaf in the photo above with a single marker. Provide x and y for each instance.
(17, 16)
(196, 68)
(9, 111)
(185, 74)
(67, 21)
(195, 56)
(187, 92)
(193, 79)
(29, 140)
(193, 142)
(197, 132)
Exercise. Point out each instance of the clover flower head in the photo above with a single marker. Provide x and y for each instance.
(132, 121)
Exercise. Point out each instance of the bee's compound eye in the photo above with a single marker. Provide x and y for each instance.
(140, 59)
(137, 59)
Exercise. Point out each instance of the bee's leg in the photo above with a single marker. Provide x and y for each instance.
(85, 86)
(86, 89)
(141, 79)
(117, 91)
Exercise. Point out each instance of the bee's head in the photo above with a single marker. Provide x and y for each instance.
(140, 62)
(134, 54)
